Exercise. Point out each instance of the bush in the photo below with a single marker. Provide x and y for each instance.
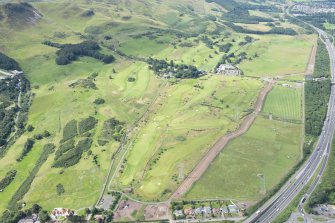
(60, 189)
(66, 146)
(26, 149)
(70, 130)
(10, 176)
(112, 129)
(99, 101)
(73, 156)
(87, 124)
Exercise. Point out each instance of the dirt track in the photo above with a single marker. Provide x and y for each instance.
(202, 166)
(310, 66)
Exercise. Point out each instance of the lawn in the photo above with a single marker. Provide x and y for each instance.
(269, 148)
(185, 122)
(277, 56)
(284, 102)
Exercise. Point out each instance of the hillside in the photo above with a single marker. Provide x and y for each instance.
(126, 98)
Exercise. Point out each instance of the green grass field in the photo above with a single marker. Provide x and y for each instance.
(186, 121)
(277, 56)
(284, 102)
(269, 148)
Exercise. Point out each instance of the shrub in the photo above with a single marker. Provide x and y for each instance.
(26, 149)
(10, 175)
(87, 124)
(66, 146)
(99, 101)
(70, 130)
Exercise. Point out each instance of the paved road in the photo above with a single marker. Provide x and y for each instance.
(272, 208)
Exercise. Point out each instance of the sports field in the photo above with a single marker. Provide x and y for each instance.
(284, 102)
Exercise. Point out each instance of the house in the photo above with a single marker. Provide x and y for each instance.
(57, 213)
(207, 210)
(188, 211)
(16, 72)
(99, 218)
(233, 208)
(198, 211)
(216, 211)
(228, 69)
(224, 210)
(178, 213)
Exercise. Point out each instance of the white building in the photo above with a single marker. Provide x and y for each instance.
(228, 69)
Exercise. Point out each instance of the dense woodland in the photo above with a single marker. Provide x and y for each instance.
(15, 215)
(8, 63)
(322, 61)
(71, 52)
(316, 103)
(325, 192)
(13, 109)
(165, 69)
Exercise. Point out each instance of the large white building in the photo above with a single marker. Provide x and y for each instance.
(228, 69)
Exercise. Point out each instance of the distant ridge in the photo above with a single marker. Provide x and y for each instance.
(19, 14)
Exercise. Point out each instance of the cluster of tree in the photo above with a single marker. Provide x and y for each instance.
(88, 13)
(12, 116)
(7, 63)
(322, 61)
(15, 215)
(112, 129)
(64, 147)
(325, 192)
(10, 176)
(108, 214)
(40, 136)
(70, 52)
(60, 189)
(116, 200)
(242, 15)
(318, 19)
(182, 71)
(84, 83)
(26, 149)
(73, 155)
(316, 102)
(99, 101)
(24, 187)
(225, 48)
(87, 124)
(273, 30)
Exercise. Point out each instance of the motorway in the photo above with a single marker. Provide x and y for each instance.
(273, 207)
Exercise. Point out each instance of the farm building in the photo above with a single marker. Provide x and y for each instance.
(228, 69)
